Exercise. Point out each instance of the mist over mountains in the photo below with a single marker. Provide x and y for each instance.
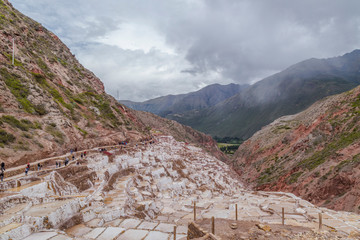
(284, 93)
(174, 104)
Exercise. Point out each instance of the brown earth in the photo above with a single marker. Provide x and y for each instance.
(314, 154)
(257, 230)
(49, 103)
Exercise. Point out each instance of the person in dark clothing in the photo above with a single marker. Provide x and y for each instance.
(2, 175)
(56, 164)
(85, 154)
(39, 166)
(3, 166)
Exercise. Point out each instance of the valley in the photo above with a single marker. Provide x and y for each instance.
(101, 170)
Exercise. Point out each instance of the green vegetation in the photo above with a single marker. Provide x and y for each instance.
(294, 177)
(355, 161)
(23, 124)
(320, 157)
(56, 133)
(6, 138)
(16, 62)
(81, 130)
(228, 148)
(19, 90)
(102, 104)
(270, 174)
(41, 80)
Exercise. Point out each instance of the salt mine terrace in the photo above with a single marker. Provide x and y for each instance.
(144, 191)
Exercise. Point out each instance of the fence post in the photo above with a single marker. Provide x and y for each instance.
(212, 225)
(283, 216)
(194, 211)
(236, 212)
(174, 232)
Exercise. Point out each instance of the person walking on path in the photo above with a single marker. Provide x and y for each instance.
(2, 174)
(2, 166)
(39, 166)
(27, 169)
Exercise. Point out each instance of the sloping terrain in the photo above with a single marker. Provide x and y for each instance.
(284, 93)
(49, 103)
(176, 104)
(143, 190)
(314, 154)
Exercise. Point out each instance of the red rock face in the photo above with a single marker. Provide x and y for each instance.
(314, 154)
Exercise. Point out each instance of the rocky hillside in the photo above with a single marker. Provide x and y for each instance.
(49, 103)
(176, 104)
(314, 154)
(284, 93)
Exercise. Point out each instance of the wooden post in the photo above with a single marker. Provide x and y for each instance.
(283, 216)
(320, 221)
(212, 225)
(236, 212)
(194, 211)
(174, 232)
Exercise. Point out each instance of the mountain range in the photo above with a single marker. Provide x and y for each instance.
(252, 107)
(175, 104)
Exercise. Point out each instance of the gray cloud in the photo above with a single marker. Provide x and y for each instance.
(150, 48)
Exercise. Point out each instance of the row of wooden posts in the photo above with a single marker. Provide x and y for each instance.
(236, 218)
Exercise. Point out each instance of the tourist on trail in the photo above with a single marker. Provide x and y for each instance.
(2, 174)
(73, 157)
(81, 155)
(3, 166)
(26, 171)
(67, 159)
(85, 154)
(56, 164)
(39, 166)
(71, 151)
(59, 164)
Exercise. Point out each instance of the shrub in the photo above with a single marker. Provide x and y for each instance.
(58, 135)
(6, 138)
(19, 90)
(23, 124)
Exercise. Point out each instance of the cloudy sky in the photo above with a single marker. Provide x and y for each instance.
(149, 48)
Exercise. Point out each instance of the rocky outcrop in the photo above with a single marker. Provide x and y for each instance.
(314, 154)
(49, 103)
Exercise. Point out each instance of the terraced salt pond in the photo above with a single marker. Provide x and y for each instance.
(142, 193)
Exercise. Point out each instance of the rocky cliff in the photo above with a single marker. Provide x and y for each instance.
(314, 154)
(49, 103)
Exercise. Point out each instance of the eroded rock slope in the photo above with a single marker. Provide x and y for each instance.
(314, 154)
